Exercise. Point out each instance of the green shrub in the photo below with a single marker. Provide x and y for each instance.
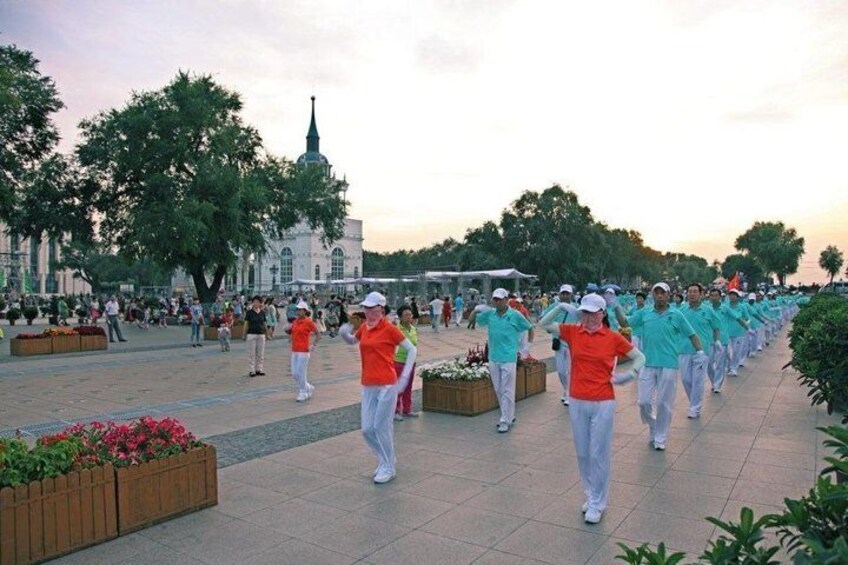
(644, 555)
(19, 465)
(745, 543)
(818, 520)
(31, 312)
(13, 314)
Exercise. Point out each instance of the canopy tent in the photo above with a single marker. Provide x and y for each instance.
(494, 274)
(305, 282)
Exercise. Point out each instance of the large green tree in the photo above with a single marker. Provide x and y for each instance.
(831, 261)
(177, 176)
(27, 132)
(740, 263)
(775, 247)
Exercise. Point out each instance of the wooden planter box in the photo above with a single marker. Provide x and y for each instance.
(210, 333)
(238, 331)
(66, 343)
(520, 383)
(48, 518)
(467, 398)
(93, 342)
(424, 320)
(159, 490)
(24, 347)
(535, 378)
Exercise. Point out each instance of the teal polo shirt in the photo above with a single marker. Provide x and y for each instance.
(661, 335)
(753, 313)
(740, 312)
(562, 317)
(504, 332)
(637, 332)
(728, 317)
(703, 320)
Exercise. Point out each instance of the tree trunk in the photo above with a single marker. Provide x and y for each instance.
(207, 293)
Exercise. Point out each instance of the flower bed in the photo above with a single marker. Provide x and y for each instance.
(533, 377)
(60, 340)
(92, 483)
(31, 344)
(455, 387)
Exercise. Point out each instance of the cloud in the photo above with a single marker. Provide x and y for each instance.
(437, 54)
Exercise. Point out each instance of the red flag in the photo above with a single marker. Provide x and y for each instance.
(734, 282)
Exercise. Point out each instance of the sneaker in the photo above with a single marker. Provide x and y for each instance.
(194, 345)
(693, 415)
(199, 345)
(260, 373)
(593, 516)
(383, 477)
(251, 374)
(301, 397)
(659, 446)
(564, 400)
(309, 390)
(716, 391)
(410, 414)
(585, 507)
(398, 417)
(503, 427)
(734, 373)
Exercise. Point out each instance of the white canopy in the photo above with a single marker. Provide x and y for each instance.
(494, 274)
(305, 282)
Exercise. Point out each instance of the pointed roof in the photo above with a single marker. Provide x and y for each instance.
(312, 137)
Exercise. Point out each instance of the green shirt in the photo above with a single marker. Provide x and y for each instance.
(562, 317)
(741, 313)
(504, 331)
(410, 333)
(703, 320)
(661, 334)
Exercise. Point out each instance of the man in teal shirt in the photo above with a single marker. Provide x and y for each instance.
(738, 336)
(722, 354)
(693, 369)
(662, 329)
(505, 327)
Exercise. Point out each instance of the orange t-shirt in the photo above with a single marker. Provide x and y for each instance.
(377, 347)
(593, 358)
(301, 329)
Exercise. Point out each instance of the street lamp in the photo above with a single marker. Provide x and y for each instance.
(274, 270)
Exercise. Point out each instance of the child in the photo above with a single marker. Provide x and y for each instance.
(319, 322)
(225, 329)
(144, 319)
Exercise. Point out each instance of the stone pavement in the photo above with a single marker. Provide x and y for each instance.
(467, 494)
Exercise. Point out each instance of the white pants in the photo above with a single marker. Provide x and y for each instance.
(591, 427)
(761, 337)
(717, 367)
(378, 411)
(299, 365)
(503, 380)
(693, 375)
(524, 345)
(562, 360)
(434, 321)
(661, 382)
(457, 316)
(256, 352)
(752, 342)
(740, 350)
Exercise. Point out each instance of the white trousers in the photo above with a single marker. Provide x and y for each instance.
(693, 375)
(752, 342)
(592, 427)
(562, 360)
(457, 316)
(299, 365)
(378, 411)
(717, 368)
(503, 380)
(662, 383)
(740, 350)
(256, 352)
(524, 345)
(434, 322)
(761, 337)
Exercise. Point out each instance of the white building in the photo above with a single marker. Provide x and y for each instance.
(28, 265)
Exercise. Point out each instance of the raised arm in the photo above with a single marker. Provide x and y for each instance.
(638, 359)
(346, 333)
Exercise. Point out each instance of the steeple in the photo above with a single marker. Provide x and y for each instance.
(312, 137)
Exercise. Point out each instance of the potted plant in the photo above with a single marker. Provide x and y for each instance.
(457, 387)
(2, 307)
(13, 314)
(30, 313)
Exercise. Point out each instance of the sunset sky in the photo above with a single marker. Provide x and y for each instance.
(685, 120)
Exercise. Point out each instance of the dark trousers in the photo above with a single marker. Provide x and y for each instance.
(114, 324)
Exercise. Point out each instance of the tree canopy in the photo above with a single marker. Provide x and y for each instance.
(831, 261)
(175, 174)
(776, 248)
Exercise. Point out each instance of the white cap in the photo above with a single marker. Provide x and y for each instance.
(592, 303)
(519, 299)
(500, 293)
(609, 291)
(735, 291)
(302, 305)
(661, 285)
(567, 288)
(752, 296)
(373, 299)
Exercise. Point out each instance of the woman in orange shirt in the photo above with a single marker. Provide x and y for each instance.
(378, 340)
(301, 330)
(594, 352)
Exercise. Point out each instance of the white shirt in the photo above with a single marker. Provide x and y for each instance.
(437, 306)
(112, 308)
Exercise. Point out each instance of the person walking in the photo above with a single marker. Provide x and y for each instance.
(693, 368)
(406, 325)
(225, 330)
(458, 308)
(197, 321)
(595, 350)
(302, 330)
(663, 329)
(112, 310)
(413, 305)
(271, 318)
(721, 355)
(562, 355)
(378, 341)
(505, 327)
(447, 313)
(436, 306)
(255, 337)
(63, 311)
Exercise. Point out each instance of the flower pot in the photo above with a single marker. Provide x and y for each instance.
(93, 343)
(52, 517)
(520, 382)
(238, 331)
(11, 322)
(467, 398)
(536, 377)
(162, 489)
(66, 343)
(29, 321)
(26, 347)
(424, 320)
(210, 334)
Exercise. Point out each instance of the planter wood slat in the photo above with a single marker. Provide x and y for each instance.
(536, 377)
(238, 331)
(46, 519)
(93, 343)
(210, 333)
(66, 343)
(520, 383)
(26, 347)
(162, 489)
(467, 398)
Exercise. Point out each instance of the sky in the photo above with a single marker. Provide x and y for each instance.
(685, 120)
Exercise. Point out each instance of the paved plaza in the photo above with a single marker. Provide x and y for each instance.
(295, 479)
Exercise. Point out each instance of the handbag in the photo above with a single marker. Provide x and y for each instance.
(555, 344)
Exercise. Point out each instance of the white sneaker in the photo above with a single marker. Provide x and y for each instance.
(309, 390)
(383, 477)
(585, 507)
(593, 516)
(693, 415)
(503, 427)
(564, 400)
(659, 446)
(734, 373)
(398, 417)
(301, 397)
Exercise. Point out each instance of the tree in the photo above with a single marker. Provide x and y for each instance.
(775, 247)
(177, 176)
(27, 133)
(739, 263)
(831, 261)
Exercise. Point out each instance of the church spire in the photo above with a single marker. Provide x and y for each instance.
(312, 137)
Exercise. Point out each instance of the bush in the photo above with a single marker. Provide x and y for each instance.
(31, 312)
(818, 520)
(13, 314)
(49, 458)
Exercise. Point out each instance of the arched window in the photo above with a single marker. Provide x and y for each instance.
(317, 271)
(286, 265)
(337, 264)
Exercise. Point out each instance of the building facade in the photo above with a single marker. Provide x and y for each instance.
(28, 266)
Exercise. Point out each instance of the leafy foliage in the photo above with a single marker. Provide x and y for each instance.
(744, 545)
(644, 555)
(818, 520)
(831, 261)
(20, 465)
(775, 247)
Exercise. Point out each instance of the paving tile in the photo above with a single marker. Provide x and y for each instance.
(684, 533)
(779, 475)
(239, 499)
(493, 557)
(566, 511)
(733, 509)
(298, 552)
(766, 493)
(448, 489)
(552, 544)
(426, 459)
(610, 549)
(537, 480)
(621, 494)
(422, 548)
(782, 458)
(406, 509)
(685, 505)
(350, 494)
(473, 525)
(695, 483)
(295, 517)
(645, 476)
(354, 535)
(479, 470)
(121, 549)
(707, 463)
(513, 501)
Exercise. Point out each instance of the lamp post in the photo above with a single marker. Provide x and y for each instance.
(274, 270)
